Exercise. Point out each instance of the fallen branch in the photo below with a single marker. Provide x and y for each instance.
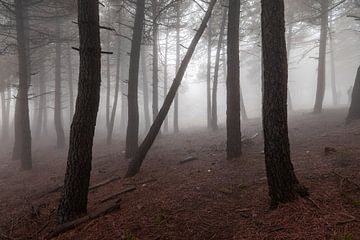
(108, 208)
(188, 159)
(92, 188)
(313, 202)
(116, 196)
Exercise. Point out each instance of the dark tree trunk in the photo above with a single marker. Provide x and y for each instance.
(133, 107)
(22, 147)
(208, 77)
(354, 111)
(214, 117)
(289, 46)
(137, 160)
(42, 100)
(166, 121)
(176, 103)
(155, 58)
(71, 84)
(283, 184)
(320, 90)
(145, 88)
(60, 135)
(73, 202)
(116, 97)
(233, 124)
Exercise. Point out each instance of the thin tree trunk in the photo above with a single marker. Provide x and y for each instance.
(116, 97)
(108, 76)
(243, 113)
(60, 135)
(214, 117)
(233, 122)
(133, 108)
(289, 46)
(22, 148)
(208, 77)
(166, 121)
(5, 117)
(42, 100)
(176, 103)
(155, 58)
(137, 160)
(332, 61)
(320, 91)
(282, 182)
(145, 88)
(73, 201)
(354, 110)
(71, 84)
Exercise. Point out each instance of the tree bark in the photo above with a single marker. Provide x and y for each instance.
(71, 84)
(282, 182)
(108, 75)
(289, 46)
(320, 91)
(133, 108)
(145, 88)
(354, 110)
(42, 100)
(166, 121)
(155, 58)
(60, 135)
(73, 202)
(214, 117)
(5, 116)
(233, 123)
(176, 103)
(137, 160)
(116, 97)
(332, 61)
(22, 147)
(208, 77)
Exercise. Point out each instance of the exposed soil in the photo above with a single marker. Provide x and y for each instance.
(207, 198)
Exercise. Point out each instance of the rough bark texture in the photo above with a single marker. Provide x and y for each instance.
(116, 97)
(145, 88)
(133, 108)
(137, 160)
(155, 58)
(214, 118)
(208, 77)
(233, 129)
(73, 202)
(354, 111)
(283, 184)
(22, 146)
(60, 135)
(320, 90)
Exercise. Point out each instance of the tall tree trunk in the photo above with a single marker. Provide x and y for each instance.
(5, 116)
(354, 110)
(208, 77)
(71, 84)
(60, 135)
(108, 75)
(214, 118)
(155, 58)
(133, 108)
(233, 123)
(42, 100)
(73, 202)
(166, 121)
(289, 46)
(145, 88)
(243, 113)
(176, 103)
(137, 160)
(283, 184)
(123, 90)
(320, 91)
(116, 97)
(22, 147)
(332, 61)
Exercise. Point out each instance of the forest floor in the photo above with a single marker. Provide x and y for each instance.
(207, 198)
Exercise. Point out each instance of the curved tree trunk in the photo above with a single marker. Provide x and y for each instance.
(137, 160)
(283, 184)
(320, 90)
(214, 117)
(132, 134)
(73, 201)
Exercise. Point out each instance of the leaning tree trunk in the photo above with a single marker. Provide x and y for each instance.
(166, 121)
(137, 160)
(214, 117)
(60, 135)
(145, 88)
(320, 91)
(22, 147)
(155, 60)
(116, 97)
(73, 202)
(233, 124)
(208, 77)
(176, 103)
(132, 134)
(283, 184)
(354, 111)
